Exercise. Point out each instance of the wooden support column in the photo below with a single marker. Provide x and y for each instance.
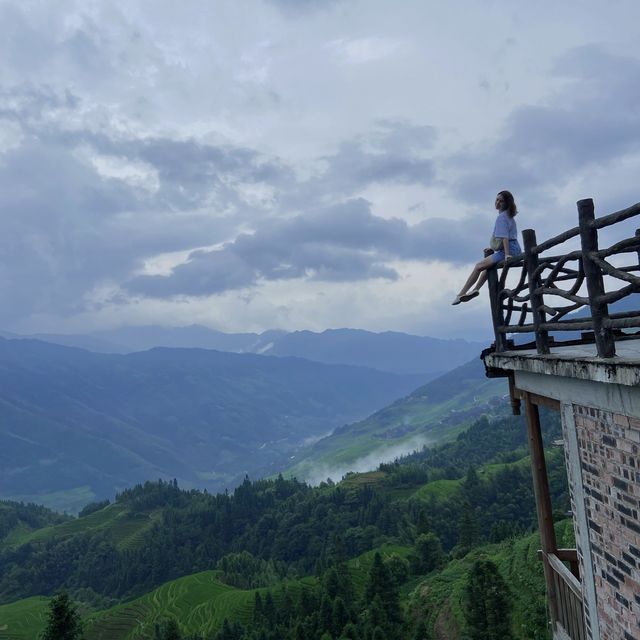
(595, 284)
(496, 308)
(543, 499)
(514, 395)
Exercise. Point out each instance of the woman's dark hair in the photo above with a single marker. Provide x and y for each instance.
(509, 203)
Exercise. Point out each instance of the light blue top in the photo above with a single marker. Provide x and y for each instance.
(505, 227)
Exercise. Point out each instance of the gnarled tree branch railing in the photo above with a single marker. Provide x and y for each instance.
(549, 290)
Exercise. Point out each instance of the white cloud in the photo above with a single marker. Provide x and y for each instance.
(321, 472)
(369, 49)
(11, 136)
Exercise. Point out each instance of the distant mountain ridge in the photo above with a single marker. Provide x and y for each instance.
(390, 351)
(76, 421)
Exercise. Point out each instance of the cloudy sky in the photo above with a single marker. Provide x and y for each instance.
(296, 164)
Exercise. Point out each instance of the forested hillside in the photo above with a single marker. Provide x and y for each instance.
(392, 549)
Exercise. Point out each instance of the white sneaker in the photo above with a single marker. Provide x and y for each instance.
(456, 301)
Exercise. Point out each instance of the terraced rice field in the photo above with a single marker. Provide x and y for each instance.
(23, 620)
(198, 602)
(124, 527)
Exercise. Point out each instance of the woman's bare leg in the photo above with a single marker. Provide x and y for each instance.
(479, 271)
(482, 280)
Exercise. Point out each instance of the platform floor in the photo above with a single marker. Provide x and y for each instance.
(576, 361)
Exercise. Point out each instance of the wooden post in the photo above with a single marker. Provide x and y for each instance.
(496, 308)
(543, 499)
(595, 284)
(531, 262)
(513, 395)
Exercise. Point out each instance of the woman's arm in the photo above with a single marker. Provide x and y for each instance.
(505, 246)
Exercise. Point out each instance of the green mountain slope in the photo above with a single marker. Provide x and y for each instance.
(153, 550)
(201, 602)
(84, 425)
(431, 414)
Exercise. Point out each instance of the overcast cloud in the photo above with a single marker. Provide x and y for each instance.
(280, 164)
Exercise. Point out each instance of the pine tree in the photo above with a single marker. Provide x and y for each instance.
(376, 617)
(257, 608)
(421, 631)
(487, 609)
(326, 614)
(64, 622)
(382, 585)
(168, 630)
(269, 609)
(331, 583)
(471, 487)
(379, 634)
(428, 555)
(468, 530)
(350, 632)
(340, 614)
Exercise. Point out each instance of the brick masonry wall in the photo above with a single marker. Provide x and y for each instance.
(609, 448)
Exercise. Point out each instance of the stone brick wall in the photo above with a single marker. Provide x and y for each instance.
(609, 449)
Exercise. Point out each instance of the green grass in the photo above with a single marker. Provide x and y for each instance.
(438, 490)
(23, 620)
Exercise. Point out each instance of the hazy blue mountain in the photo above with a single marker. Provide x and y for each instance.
(76, 421)
(141, 338)
(389, 351)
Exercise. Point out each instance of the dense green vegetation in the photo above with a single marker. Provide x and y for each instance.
(17, 517)
(392, 551)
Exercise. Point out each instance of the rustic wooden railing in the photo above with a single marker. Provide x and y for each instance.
(568, 612)
(550, 290)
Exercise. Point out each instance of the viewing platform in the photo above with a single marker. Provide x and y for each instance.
(567, 337)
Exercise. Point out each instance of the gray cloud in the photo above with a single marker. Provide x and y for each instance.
(345, 242)
(302, 7)
(341, 243)
(393, 152)
(68, 229)
(592, 121)
(80, 229)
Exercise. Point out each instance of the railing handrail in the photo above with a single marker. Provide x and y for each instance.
(617, 216)
(569, 602)
(571, 581)
(526, 299)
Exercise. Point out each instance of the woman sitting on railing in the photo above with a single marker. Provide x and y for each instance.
(504, 231)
